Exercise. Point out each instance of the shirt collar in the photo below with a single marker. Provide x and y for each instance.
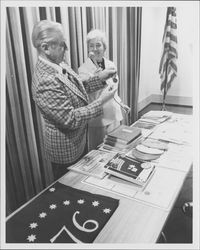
(53, 65)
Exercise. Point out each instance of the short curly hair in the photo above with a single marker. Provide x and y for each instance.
(96, 33)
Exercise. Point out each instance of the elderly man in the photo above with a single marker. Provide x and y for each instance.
(62, 97)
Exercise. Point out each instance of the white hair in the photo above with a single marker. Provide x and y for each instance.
(95, 33)
(45, 31)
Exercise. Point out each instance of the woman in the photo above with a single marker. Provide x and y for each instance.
(112, 113)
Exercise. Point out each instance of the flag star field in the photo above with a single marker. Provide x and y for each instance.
(61, 214)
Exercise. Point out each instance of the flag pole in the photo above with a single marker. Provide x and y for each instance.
(163, 103)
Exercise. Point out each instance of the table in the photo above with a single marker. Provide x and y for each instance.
(135, 221)
(140, 220)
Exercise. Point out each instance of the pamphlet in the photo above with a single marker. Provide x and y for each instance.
(93, 163)
(130, 169)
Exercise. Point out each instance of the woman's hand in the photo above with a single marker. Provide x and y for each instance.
(107, 73)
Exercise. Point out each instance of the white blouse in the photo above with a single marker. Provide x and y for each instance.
(111, 109)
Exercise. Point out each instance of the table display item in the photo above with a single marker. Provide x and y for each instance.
(130, 169)
(148, 150)
(152, 143)
(144, 125)
(93, 163)
(123, 134)
(61, 214)
(156, 117)
(143, 156)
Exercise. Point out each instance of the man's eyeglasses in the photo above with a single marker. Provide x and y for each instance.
(61, 44)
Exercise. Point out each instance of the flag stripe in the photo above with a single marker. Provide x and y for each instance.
(169, 48)
(168, 67)
(169, 81)
(171, 36)
(172, 24)
(164, 62)
(173, 65)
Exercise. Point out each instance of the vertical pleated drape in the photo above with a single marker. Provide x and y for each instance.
(27, 170)
(133, 58)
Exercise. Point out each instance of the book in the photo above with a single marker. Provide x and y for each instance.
(118, 144)
(130, 170)
(111, 140)
(125, 133)
(93, 163)
(144, 125)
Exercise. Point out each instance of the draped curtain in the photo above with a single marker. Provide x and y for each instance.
(27, 170)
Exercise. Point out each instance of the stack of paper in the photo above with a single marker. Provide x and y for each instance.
(123, 135)
(146, 127)
(122, 138)
(156, 117)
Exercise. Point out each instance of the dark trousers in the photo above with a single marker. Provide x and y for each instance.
(61, 169)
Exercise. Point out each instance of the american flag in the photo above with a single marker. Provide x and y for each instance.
(168, 68)
(61, 214)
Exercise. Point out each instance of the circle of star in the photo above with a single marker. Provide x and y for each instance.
(95, 203)
(67, 202)
(53, 206)
(107, 210)
(52, 189)
(81, 201)
(42, 215)
(33, 225)
(31, 238)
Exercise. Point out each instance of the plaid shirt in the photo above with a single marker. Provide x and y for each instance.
(65, 109)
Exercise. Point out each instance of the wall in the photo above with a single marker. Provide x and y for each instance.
(153, 21)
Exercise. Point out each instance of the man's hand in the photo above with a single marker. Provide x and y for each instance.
(108, 93)
(107, 73)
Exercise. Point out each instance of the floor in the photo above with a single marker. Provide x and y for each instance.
(187, 110)
(178, 228)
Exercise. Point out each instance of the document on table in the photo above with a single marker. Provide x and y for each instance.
(158, 114)
(93, 163)
(175, 131)
(155, 116)
(178, 157)
(113, 184)
(161, 190)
